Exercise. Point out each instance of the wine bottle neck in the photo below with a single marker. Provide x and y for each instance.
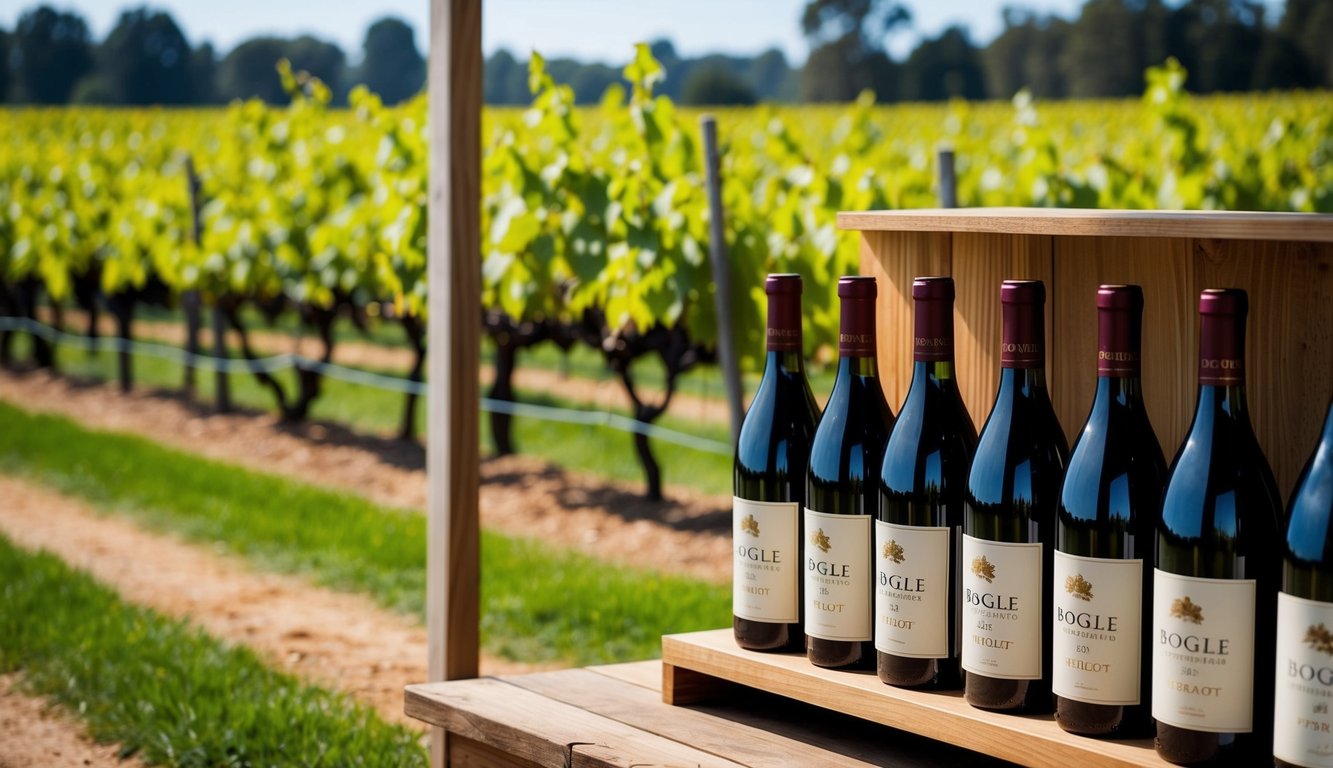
(791, 361)
(1225, 401)
(1121, 390)
(938, 372)
(857, 365)
(1023, 382)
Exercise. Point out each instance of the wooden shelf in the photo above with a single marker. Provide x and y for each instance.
(701, 665)
(1217, 225)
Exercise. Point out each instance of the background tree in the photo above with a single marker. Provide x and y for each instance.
(1110, 45)
(771, 77)
(946, 67)
(4, 65)
(1309, 24)
(1022, 56)
(505, 79)
(847, 52)
(203, 69)
(716, 83)
(391, 65)
(249, 70)
(145, 59)
(51, 51)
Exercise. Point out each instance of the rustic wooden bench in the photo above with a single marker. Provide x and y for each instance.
(614, 716)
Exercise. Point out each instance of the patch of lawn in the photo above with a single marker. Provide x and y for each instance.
(537, 603)
(596, 450)
(169, 692)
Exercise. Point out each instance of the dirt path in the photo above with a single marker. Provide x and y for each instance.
(603, 395)
(38, 735)
(520, 495)
(340, 640)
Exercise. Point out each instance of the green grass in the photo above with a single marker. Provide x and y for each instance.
(596, 450)
(537, 603)
(169, 692)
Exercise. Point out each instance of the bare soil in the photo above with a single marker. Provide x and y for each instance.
(688, 533)
(339, 640)
(39, 735)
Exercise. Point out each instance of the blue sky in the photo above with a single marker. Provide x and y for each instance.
(593, 30)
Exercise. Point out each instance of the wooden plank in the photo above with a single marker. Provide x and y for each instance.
(1027, 740)
(754, 728)
(453, 531)
(1229, 225)
(466, 753)
(1164, 267)
(980, 262)
(681, 685)
(645, 674)
(1289, 341)
(895, 259)
(532, 727)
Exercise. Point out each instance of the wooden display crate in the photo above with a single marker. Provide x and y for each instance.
(700, 666)
(1284, 262)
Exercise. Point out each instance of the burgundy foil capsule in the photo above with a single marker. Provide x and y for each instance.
(933, 306)
(784, 312)
(857, 336)
(1222, 314)
(1023, 330)
(1119, 330)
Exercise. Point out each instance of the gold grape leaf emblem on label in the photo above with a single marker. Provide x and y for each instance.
(820, 539)
(750, 525)
(1320, 639)
(1186, 610)
(983, 568)
(894, 551)
(1079, 587)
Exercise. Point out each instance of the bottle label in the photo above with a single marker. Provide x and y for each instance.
(1001, 609)
(1303, 727)
(765, 560)
(912, 591)
(1098, 629)
(837, 576)
(1203, 653)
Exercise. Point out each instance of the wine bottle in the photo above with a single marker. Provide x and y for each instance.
(769, 484)
(1105, 528)
(1009, 520)
(920, 524)
(1216, 581)
(842, 494)
(1303, 727)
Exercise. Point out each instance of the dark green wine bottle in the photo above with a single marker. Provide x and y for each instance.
(769, 484)
(843, 493)
(1303, 726)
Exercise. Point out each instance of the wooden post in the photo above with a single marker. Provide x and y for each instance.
(454, 247)
(948, 180)
(717, 251)
(190, 301)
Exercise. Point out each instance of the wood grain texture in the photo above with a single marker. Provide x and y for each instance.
(645, 674)
(466, 753)
(1164, 268)
(682, 686)
(454, 274)
(1289, 340)
(757, 729)
(1307, 227)
(1030, 741)
(532, 727)
(980, 262)
(903, 256)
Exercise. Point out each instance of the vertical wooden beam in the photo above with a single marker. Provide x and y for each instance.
(453, 530)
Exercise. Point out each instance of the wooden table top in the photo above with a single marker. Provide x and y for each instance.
(614, 716)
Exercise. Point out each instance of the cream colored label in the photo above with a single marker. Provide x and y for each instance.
(912, 591)
(1001, 594)
(1302, 724)
(1097, 633)
(766, 560)
(836, 555)
(1203, 653)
